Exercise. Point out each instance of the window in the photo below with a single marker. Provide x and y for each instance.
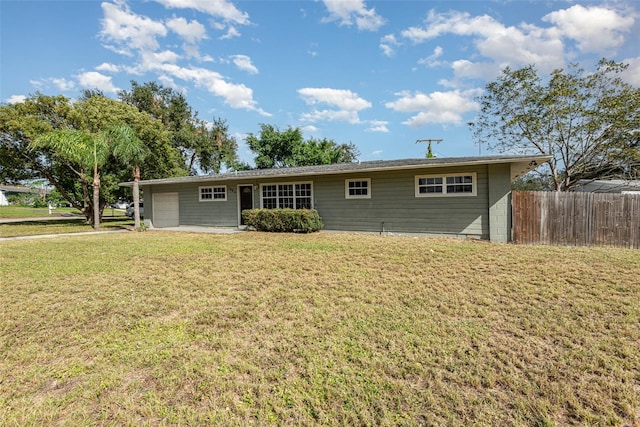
(282, 196)
(357, 188)
(446, 185)
(218, 193)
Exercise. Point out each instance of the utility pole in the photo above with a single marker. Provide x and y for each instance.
(429, 141)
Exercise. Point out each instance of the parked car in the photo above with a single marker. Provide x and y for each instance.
(120, 204)
(129, 211)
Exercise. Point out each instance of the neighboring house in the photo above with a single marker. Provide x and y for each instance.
(609, 186)
(466, 196)
(9, 190)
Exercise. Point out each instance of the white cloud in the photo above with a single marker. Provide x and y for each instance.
(110, 68)
(378, 126)
(435, 108)
(430, 61)
(192, 32)
(388, 44)
(343, 99)
(632, 74)
(499, 44)
(231, 33)
(243, 62)
(95, 80)
(234, 95)
(348, 105)
(60, 84)
(129, 30)
(349, 12)
(595, 29)
(216, 8)
(15, 99)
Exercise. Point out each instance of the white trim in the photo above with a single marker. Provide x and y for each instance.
(474, 185)
(285, 183)
(212, 199)
(362, 196)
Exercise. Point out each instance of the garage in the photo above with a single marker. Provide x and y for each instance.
(166, 210)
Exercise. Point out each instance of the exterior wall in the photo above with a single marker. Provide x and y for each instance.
(392, 208)
(499, 202)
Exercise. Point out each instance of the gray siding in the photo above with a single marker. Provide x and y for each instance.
(392, 207)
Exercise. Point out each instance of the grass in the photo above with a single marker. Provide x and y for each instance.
(162, 328)
(32, 225)
(27, 212)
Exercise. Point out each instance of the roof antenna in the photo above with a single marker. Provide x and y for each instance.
(430, 154)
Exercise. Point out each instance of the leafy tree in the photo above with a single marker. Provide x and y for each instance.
(85, 120)
(204, 147)
(588, 122)
(81, 151)
(275, 149)
(127, 147)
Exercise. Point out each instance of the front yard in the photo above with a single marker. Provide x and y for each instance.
(162, 328)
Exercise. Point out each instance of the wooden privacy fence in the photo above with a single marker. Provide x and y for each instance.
(576, 219)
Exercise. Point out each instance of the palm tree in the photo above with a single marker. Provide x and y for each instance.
(127, 147)
(81, 151)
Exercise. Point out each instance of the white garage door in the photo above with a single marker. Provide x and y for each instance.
(166, 210)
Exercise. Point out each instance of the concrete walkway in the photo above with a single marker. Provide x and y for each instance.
(50, 236)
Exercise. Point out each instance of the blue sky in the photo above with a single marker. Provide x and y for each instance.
(379, 74)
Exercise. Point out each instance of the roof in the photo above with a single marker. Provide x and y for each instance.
(608, 185)
(22, 189)
(519, 166)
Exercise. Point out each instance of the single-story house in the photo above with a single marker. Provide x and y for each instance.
(9, 190)
(609, 186)
(465, 196)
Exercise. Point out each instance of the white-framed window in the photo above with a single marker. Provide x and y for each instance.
(357, 188)
(297, 195)
(460, 184)
(216, 193)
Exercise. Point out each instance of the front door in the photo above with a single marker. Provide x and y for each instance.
(246, 199)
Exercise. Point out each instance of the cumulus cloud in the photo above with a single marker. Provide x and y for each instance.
(191, 32)
(388, 44)
(110, 68)
(129, 30)
(243, 62)
(95, 80)
(217, 8)
(435, 108)
(350, 12)
(15, 99)
(231, 33)
(60, 84)
(595, 29)
(128, 33)
(346, 104)
(378, 126)
(431, 60)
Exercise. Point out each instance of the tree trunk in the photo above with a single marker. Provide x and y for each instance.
(96, 200)
(136, 198)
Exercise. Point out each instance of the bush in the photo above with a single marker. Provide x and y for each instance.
(283, 220)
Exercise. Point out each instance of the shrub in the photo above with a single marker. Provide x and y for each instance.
(283, 220)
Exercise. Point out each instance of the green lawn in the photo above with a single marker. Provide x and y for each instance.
(162, 328)
(26, 212)
(61, 221)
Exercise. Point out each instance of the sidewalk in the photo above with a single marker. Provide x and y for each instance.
(51, 218)
(40, 218)
(51, 236)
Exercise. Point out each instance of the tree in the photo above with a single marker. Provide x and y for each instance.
(275, 149)
(81, 151)
(127, 147)
(588, 122)
(204, 146)
(23, 123)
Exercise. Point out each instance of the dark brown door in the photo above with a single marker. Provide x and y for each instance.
(246, 199)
